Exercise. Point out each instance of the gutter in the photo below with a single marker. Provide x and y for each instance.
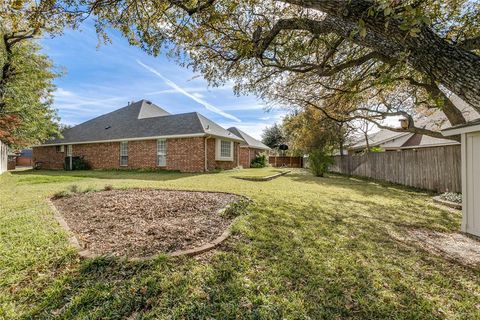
(206, 153)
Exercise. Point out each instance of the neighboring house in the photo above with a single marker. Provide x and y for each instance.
(395, 141)
(433, 119)
(143, 135)
(249, 148)
(24, 158)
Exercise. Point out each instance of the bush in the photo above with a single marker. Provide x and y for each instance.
(80, 164)
(260, 161)
(319, 161)
(236, 209)
(74, 188)
(108, 187)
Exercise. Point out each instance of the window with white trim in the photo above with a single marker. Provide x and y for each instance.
(224, 150)
(124, 153)
(161, 152)
(69, 150)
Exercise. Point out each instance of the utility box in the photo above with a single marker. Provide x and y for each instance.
(470, 137)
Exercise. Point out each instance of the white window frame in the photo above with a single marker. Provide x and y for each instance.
(62, 148)
(69, 150)
(218, 155)
(162, 153)
(123, 153)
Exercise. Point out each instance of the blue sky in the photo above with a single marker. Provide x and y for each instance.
(101, 79)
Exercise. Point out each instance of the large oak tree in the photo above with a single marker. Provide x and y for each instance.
(233, 38)
(339, 56)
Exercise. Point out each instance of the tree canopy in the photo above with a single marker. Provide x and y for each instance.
(26, 79)
(273, 136)
(353, 49)
(348, 58)
(310, 129)
(26, 114)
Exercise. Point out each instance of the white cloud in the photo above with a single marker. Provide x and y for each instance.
(244, 106)
(179, 89)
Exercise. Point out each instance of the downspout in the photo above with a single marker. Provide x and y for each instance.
(206, 153)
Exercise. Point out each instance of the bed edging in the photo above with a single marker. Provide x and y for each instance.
(87, 254)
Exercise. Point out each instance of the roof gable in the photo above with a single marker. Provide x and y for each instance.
(150, 110)
(248, 140)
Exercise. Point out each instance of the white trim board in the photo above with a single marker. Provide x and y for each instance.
(140, 139)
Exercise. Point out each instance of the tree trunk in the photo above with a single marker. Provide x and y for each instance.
(453, 114)
(457, 69)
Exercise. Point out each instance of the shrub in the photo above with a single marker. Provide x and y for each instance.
(74, 188)
(108, 187)
(79, 163)
(260, 161)
(319, 161)
(236, 209)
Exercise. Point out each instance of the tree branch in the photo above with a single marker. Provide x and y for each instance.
(192, 10)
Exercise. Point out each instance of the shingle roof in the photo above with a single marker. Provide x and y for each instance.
(378, 138)
(248, 140)
(141, 119)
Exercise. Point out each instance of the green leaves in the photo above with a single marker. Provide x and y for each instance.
(27, 97)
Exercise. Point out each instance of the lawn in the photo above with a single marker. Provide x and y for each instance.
(310, 248)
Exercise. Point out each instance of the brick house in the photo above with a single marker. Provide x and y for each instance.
(249, 148)
(143, 135)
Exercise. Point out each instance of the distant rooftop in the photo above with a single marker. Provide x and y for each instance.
(248, 140)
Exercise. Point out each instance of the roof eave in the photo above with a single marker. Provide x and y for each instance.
(453, 131)
(194, 135)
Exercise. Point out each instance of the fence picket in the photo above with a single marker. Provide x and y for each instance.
(436, 169)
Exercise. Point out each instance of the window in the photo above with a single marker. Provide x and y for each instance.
(224, 150)
(62, 148)
(161, 152)
(124, 153)
(69, 150)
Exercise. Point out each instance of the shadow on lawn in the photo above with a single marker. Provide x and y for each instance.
(321, 258)
(51, 176)
(253, 279)
(357, 184)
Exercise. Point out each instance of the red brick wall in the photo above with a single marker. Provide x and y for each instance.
(186, 154)
(100, 155)
(248, 154)
(183, 154)
(225, 165)
(24, 161)
(50, 158)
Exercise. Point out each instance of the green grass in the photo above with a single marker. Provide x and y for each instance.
(311, 248)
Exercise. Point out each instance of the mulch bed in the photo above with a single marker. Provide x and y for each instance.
(456, 246)
(144, 222)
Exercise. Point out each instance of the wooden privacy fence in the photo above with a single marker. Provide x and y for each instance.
(437, 168)
(285, 161)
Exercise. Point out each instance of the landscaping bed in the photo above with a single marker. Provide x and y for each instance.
(144, 222)
(264, 175)
(449, 199)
